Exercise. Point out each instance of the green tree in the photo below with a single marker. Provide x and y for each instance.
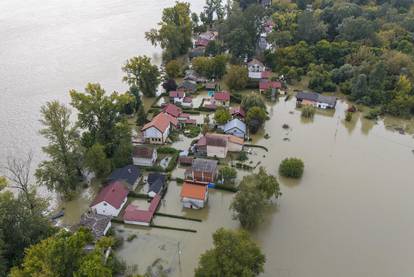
(255, 117)
(291, 168)
(134, 91)
(267, 183)
(310, 28)
(234, 254)
(237, 77)
(308, 111)
(222, 115)
(354, 29)
(241, 31)
(228, 175)
(175, 31)
(62, 172)
(99, 115)
(141, 73)
(141, 116)
(22, 224)
(96, 161)
(172, 68)
(64, 255)
(249, 205)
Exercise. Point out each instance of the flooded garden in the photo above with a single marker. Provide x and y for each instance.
(355, 192)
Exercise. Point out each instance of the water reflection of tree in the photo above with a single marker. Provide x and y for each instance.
(367, 125)
(350, 125)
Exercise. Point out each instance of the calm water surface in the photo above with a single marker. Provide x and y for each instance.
(350, 214)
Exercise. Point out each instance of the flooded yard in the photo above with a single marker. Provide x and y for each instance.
(349, 215)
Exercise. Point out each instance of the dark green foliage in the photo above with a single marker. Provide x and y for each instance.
(234, 254)
(22, 224)
(175, 31)
(291, 168)
(255, 192)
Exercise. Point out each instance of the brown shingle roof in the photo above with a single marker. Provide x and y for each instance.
(213, 140)
(142, 151)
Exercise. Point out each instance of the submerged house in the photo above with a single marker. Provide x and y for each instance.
(110, 199)
(176, 97)
(255, 68)
(98, 224)
(202, 170)
(187, 86)
(237, 112)
(159, 128)
(221, 99)
(144, 156)
(235, 127)
(194, 196)
(156, 184)
(129, 174)
(316, 100)
(266, 85)
(218, 145)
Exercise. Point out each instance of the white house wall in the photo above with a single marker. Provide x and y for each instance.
(105, 208)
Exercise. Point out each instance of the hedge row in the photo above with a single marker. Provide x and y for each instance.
(257, 146)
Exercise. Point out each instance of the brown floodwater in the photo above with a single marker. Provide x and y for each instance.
(349, 215)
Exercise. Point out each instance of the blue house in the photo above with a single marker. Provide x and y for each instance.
(235, 127)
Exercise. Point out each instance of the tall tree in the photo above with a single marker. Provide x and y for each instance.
(62, 172)
(234, 254)
(310, 28)
(96, 160)
(141, 73)
(21, 225)
(99, 114)
(175, 31)
(63, 255)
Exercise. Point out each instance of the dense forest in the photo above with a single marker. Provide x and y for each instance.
(362, 48)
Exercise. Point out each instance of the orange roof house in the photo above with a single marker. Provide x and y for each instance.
(194, 196)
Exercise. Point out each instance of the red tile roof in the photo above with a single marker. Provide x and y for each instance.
(114, 194)
(172, 110)
(266, 84)
(266, 74)
(161, 122)
(133, 213)
(238, 111)
(177, 94)
(185, 160)
(190, 190)
(222, 96)
(201, 42)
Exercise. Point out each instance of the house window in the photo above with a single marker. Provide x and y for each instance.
(104, 204)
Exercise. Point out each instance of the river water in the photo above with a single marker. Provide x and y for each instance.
(349, 215)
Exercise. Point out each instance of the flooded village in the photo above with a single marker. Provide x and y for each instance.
(348, 214)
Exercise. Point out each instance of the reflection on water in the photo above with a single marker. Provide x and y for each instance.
(349, 215)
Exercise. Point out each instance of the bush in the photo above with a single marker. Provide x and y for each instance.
(166, 150)
(348, 116)
(193, 131)
(308, 112)
(291, 168)
(173, 162)
(131, 237)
